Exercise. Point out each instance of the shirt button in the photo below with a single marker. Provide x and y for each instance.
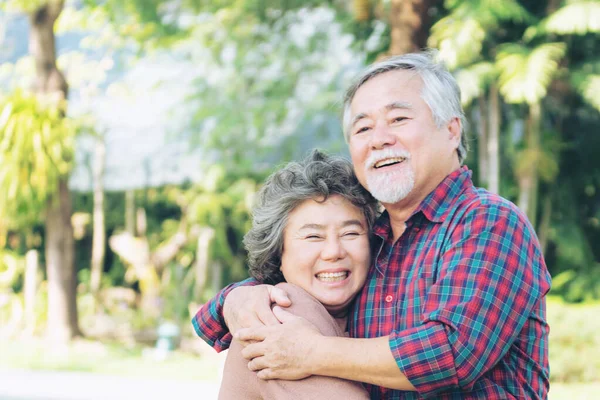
(389, 298)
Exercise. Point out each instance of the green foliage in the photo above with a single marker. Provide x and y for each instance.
(574, 342)
(262, 82)
(473, 80)
(36, 151)
(11, 267)
(575, 18)
(585, 78)
(460, 35)
(526, 73)
(23, 5)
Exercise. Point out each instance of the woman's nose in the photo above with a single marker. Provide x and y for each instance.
(333, 249)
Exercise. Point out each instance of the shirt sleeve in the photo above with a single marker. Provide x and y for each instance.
(490, 276)
(209, 322)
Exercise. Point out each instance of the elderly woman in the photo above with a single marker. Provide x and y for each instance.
(310, 234)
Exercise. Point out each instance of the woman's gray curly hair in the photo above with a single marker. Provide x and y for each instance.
(317, 177)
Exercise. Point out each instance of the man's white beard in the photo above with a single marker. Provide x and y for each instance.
(390, 187)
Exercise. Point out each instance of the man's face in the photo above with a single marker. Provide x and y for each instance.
(399, 153)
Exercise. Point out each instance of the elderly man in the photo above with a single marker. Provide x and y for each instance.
(454, 303)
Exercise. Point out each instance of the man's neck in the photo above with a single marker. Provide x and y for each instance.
(400, 212)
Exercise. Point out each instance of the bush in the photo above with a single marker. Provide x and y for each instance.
(574, 341)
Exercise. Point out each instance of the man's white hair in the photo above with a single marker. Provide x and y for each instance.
(440, 90)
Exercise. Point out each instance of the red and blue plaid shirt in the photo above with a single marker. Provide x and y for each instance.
(461, 295)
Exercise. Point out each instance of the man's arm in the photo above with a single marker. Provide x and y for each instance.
(239, 305)
(302, 351)
(209, 322)
(491, 276)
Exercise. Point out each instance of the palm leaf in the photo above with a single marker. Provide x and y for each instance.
(490, 12)
(576, 18)
(36, 151)
(588, 86)
(458, 43)
(460, 35)
(525, 73)
(473, 80)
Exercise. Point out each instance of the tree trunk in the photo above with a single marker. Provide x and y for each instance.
(217, 276)
(362, 10)
(62, 305)
(30, 288)
(130, 212)
(99, 238)
(482, 142)
(528, 181)
(493, 143)
(409, 25)
(51, 86)
(544, 227)
(49, 81)
(202, 258)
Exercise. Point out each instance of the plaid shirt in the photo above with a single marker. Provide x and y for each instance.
(460, 294)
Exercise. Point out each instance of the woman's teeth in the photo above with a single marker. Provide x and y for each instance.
(332, 276)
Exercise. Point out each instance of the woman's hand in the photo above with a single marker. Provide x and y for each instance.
(281, 351)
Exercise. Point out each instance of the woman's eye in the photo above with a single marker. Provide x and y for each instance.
(399, 119)
(361, 130)
(351, 234)
(313, 237)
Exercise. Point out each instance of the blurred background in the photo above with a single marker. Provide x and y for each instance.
(134, 135)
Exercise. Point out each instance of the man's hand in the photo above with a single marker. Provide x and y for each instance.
(281, 351)
(250, 306)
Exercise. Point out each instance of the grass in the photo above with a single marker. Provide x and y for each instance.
(106, 358)
(574, 391)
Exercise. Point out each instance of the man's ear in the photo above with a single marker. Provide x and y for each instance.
(454, 131)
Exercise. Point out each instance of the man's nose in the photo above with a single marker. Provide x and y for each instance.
(333, 249)
(382, 136)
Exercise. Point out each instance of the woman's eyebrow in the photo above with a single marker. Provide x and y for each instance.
(349, 222)
(312, 226)
(352, 222)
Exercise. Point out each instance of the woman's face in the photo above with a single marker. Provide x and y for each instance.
(326, 251)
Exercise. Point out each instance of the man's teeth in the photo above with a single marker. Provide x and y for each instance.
(332, 276)
(389, 161)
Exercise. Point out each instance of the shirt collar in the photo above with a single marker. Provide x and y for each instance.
(437, 204)
(440, 202)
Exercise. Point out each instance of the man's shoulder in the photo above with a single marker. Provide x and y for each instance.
(483, 204)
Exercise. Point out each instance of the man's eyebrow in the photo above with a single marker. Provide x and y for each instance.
(357, 118)
(398, 104)
(392, 106)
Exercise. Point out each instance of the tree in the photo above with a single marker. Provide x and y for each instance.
(409, 25)
(99, 236)
(468, 38)
(51, 89)
(36, 157)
